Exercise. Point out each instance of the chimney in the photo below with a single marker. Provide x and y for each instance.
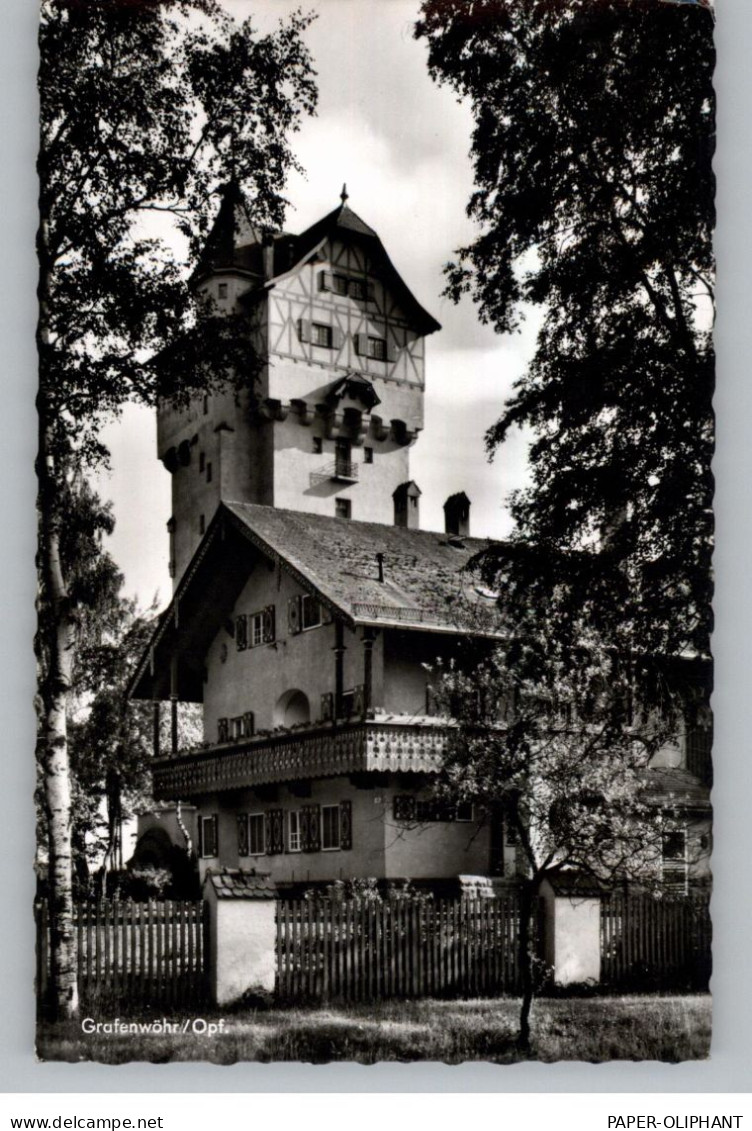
(407, 506)
(267, 252)
(380, 563)
(457, 515)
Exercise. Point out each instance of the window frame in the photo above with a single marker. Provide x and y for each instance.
(297, 846)
(376, 348)
(258, 817)
(319, 329)
(307, 600)
(256, 635)
(344, 505)
(337, 822)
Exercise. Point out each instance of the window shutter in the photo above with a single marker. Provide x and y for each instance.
(243, 847)
(241, 633)
(313, 831)
(275, 838)
(249, 725)
(338, 338)
(345, 824)
(361, 344)
(327, 707)
(200, 837)
(326, 281)
(269, 625)
(293, 615)
(359, 701)
(404, 807)
(391, 349)
(304, 330)
(212, 849)
(222, 730)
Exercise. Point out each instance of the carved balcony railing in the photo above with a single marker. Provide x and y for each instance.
(321, 752)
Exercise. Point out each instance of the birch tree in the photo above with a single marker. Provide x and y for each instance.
(146, 108)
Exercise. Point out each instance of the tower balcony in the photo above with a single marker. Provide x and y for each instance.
(341, 471)
(324, 750)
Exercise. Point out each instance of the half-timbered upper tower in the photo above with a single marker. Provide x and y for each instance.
(327, 424)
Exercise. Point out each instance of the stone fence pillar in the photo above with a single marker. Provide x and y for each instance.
(242, 933)
(571, 929)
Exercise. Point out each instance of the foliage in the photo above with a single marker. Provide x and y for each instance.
(560, 764)
(363, 890)
(594, 201)
(145, 109)
(154, 881)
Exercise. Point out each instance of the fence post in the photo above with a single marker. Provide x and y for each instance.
(242, 933)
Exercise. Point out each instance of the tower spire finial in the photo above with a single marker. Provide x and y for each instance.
(344, 195)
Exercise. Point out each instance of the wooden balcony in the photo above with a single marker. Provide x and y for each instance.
(322, 751)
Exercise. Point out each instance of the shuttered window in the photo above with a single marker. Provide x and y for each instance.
(208, 837)
(256, 834)
(321, 335)
(293, 831)
(330, 827)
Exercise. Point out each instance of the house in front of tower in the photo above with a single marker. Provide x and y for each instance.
(308, 604)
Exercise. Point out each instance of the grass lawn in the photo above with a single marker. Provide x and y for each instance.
(589, 1029)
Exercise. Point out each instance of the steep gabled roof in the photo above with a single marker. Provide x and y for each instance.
(346, 225)
(236, 244)
(426, 586)
(424, 580)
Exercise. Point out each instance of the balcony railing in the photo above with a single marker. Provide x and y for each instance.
(342, 470)
(323, 751)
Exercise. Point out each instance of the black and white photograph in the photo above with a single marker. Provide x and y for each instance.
(375, 531)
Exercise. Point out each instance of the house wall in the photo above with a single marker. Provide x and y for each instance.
(381, 846)
(254, 679)
(296, 462)
(435, 849)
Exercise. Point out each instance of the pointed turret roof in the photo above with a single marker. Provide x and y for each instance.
(231, 234)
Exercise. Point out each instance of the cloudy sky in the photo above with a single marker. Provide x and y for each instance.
(401, 144)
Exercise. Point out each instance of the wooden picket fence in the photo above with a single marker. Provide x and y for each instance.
(358, 950)
(649, 943)
(137, 954)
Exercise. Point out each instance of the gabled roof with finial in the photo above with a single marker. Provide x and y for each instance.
(236, 244)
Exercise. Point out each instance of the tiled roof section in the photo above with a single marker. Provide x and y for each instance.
(423, 584)
(342, 217)
(236, 883)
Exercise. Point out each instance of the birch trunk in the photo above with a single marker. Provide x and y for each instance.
(57, 651)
